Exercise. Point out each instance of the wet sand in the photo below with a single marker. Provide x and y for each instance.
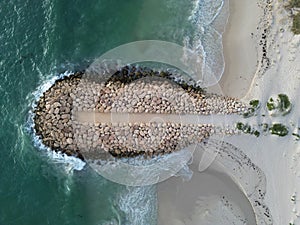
(202, 200)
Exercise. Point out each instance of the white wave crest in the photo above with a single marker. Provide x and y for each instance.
(70, 163)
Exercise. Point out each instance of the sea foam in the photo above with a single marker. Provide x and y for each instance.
(69, 162)
(209, 18)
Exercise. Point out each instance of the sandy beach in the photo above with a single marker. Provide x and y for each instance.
(282, 77)
(245, 78)
(240, 47)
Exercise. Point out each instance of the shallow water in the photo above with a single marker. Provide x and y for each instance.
(40, 39)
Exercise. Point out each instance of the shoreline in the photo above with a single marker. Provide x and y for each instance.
(239, 48)
(240, 70)
(275, 71)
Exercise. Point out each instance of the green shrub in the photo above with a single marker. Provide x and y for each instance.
(256, 133)
(271, 104)
(279, 129)
(280, 106)
(285, 102)
(296, 17)
(246, 128)
(255, 104)
(296, 24)
(294, 4)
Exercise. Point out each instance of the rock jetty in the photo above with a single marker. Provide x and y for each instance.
(130, 90)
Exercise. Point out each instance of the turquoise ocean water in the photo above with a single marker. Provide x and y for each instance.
(40, 39)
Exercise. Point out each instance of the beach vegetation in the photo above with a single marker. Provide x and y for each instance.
(246, 128)
(254, 106)
(271, 104)
(280, 106)
(285, 102)
(294, 4)
(296, 24)
(256, 133)
(239, 125)
(254, 103)
(279, 129)
(291, 6)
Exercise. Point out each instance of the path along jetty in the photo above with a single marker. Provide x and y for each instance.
(132, 112)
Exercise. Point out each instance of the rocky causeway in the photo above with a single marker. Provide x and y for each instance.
(135, 111)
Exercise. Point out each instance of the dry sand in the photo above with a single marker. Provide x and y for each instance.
(279, 157)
